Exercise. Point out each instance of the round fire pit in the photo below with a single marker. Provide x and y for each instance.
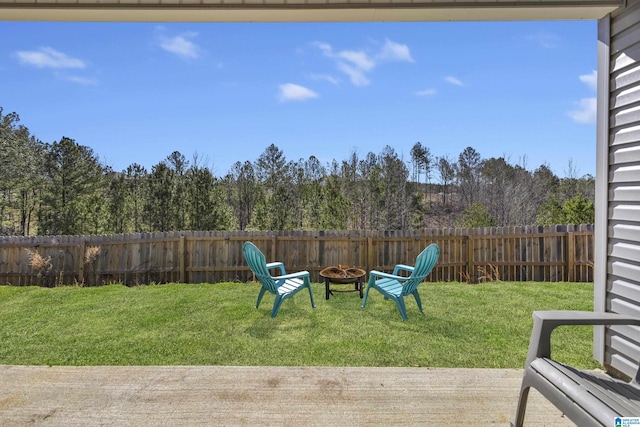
(343, 275)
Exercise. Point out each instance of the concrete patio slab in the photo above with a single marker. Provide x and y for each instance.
(282, 396)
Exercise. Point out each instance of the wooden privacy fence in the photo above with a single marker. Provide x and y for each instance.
(553, 253)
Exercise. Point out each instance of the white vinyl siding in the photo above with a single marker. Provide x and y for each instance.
(622, 206)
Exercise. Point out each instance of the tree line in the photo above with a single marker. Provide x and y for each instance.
(62, 188)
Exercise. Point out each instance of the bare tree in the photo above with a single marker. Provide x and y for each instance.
(447, 173)
(468, 175)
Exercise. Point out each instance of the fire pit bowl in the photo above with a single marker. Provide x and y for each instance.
(341, 274)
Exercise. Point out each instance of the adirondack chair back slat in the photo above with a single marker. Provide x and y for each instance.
(424, 263)
(258, 264)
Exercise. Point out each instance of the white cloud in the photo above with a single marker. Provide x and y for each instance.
(47, 57)
(586, 111)
(294, 92)
(84, 81)
(590, 80)
(326, 78)
(326, 48)
(353, 63)
(453, 81)
(586, 107)
(356, 75)
(181, 46)
(357, 63)
(426, 92)
(358, 59)
(392, 51)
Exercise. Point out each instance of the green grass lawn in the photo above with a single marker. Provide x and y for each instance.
(464, 326)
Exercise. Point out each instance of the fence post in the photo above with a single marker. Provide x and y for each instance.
(570, 256)
(470, 261)
(274, 248)
(182, 259)
(370, 254)
(80, 260)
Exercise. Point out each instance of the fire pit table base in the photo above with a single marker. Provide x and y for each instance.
(358, 286)
(343, 276)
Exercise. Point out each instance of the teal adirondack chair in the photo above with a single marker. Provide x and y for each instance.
(283, 286)
(397, 287)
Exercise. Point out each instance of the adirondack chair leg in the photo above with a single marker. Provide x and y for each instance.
(403, 310)
(260, 295)
(366, 295)
(313, 304)
(522, 406)
(417, 297)
(276, 305)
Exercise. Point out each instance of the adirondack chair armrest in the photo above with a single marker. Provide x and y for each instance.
(276, 264)
(376, 273)
(402, 267)
(544, 322)
(295, 275)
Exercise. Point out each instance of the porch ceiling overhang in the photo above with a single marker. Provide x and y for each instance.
(303, 10)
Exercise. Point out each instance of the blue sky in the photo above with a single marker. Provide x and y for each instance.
(136, 92)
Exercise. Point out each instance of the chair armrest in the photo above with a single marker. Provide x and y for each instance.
(295, 275)
(400, 267)
(376, 273)
(276, 264)
(544, 322)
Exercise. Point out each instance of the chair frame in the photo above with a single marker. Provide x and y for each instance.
(283, 286)
(395, 287)
(588, 398)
